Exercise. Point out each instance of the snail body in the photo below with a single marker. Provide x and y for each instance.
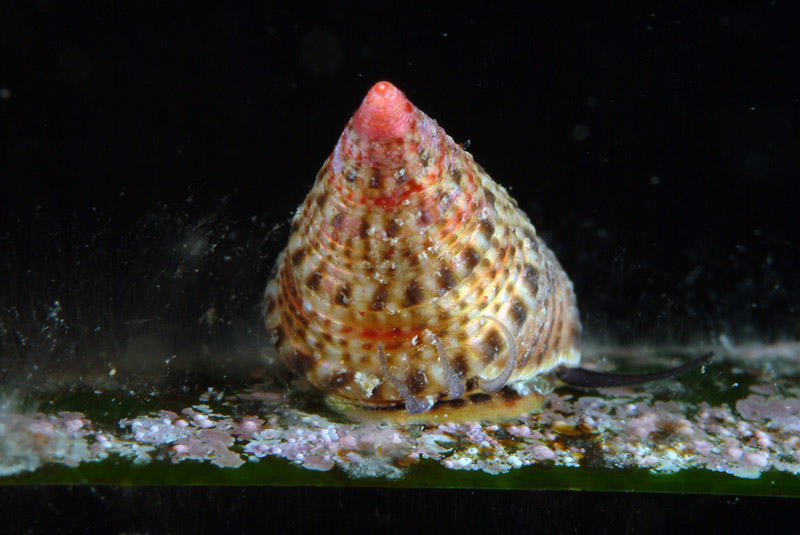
(412, 286)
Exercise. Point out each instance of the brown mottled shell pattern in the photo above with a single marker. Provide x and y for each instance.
(403, 239)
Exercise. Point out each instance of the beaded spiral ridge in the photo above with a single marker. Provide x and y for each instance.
(411, 277)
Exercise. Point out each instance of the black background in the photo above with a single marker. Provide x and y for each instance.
(313, 510)
(575, 109)
(657, 149)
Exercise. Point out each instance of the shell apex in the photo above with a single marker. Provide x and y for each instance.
(385, 114)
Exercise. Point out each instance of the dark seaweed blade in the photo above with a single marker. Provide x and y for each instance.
(586, 378)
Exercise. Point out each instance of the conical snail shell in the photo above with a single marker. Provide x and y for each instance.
(405, 247)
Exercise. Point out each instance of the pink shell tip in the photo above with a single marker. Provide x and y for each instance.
(384, 114)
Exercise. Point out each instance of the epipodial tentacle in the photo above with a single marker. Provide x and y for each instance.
(494, 385)
(413, 406)
(457, 388)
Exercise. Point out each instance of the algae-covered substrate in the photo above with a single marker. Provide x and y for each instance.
(732, 427)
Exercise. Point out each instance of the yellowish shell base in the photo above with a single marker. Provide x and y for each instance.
(499, 407)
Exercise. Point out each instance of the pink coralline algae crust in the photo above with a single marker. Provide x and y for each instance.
(28, 441)
(194, 435)
(608, 428)
(775, 413)
(587, 431)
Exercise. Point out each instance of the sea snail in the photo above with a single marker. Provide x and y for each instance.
(414, 286)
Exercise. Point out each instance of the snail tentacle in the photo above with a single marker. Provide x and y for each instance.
(587, 379)
(493, 385)
(413, 405)
(456, 387)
